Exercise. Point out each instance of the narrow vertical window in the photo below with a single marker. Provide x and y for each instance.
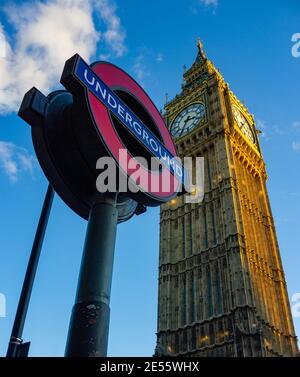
(184, 306)
(184, 341)
(208, 172)
(213, 223)
(205, 228)
(193, 339)
(209, 292)
(176, 343)
(219, 291)
(183, 236)
(191, 235)
(211, 330)
(193, 294)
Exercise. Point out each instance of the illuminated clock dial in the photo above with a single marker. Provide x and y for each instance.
(187, 119)
(243, 124)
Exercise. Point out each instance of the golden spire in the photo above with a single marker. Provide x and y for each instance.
(200, 48)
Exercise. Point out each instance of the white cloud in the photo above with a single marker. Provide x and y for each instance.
(2, 305)
(159, 57)
(14, 160)
(46, 34)
(209, 2)
(139, 69)
(261, 126)
(296, 125)
(3, 43)
(279, 130)
(114, 35)
(268, 131)
(296, 145)
(104, 56)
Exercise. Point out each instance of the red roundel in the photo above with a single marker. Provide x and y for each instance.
(160, 185)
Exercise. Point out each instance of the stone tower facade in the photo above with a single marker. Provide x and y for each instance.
(222, 290)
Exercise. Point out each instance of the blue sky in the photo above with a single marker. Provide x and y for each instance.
(249, 41)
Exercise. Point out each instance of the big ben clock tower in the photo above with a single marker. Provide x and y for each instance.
(222, 290)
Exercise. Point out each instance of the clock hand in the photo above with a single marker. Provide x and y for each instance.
(183, 127)
(181, 130)
(185, 122)
(188, 119)
(192, 118)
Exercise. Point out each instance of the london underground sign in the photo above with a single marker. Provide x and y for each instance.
(104, 84)
(103, 112)
(113, 103)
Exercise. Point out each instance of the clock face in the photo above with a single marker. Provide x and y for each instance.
(188, 119)
(243, 124)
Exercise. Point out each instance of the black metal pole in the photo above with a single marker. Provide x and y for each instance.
(16, 346)
(89, 324)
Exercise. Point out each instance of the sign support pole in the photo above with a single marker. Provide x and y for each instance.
(16, 347)
(89, 324)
